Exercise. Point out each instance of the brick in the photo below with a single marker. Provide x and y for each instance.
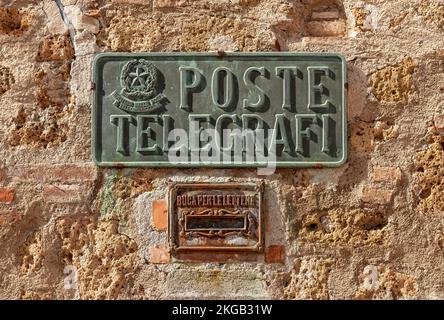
(326, 28)
(62, 193)
(386, 174)
(439, 123)
(6, 195)
(159, 215)
(95, 13)
(275, 254)
(146, 2)
(159, 254)
(376, 195)
(167, 3)
(68, 173)
(325, 15)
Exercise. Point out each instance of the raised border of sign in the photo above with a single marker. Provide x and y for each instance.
(258, 187)
(278, 164)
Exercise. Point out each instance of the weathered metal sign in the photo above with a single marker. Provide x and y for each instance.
(220, 110)
(217, 216)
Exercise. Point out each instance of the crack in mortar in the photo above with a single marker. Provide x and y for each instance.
(71, 29)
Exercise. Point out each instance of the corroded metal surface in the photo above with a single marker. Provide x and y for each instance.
(158, 109)
(216, 217)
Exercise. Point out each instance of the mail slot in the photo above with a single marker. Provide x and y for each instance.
(207, 223)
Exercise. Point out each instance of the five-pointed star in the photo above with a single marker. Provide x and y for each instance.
(137, 76)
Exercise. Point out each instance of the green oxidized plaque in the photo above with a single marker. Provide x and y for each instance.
(219, 110)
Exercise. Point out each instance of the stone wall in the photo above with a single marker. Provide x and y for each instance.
(371, 229)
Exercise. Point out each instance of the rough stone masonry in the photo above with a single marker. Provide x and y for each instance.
(370, 229)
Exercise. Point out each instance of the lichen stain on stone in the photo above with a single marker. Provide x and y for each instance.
(337, 226)
(394, 83)
(120, 188)
(297, 182)
(131, 186)
(107, 198)
(430, 176)
(104, 259)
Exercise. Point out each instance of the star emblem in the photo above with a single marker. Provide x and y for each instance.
(139, 91)
(139, 77)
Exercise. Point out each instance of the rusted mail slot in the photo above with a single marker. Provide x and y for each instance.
(216, 217)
